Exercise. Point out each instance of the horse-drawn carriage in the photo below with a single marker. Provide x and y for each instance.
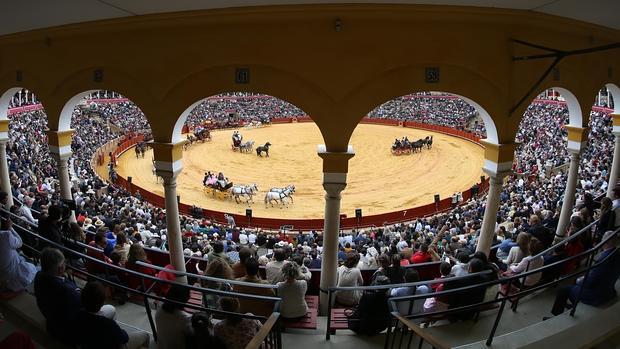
(221, 187)
(404, 146)
(239, 145)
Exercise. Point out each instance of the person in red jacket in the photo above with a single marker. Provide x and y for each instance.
(424, 255)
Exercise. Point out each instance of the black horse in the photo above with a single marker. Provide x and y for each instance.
(429, 142)
(417, 145)
(264, 148)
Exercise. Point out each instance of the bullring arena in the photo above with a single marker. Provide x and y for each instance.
(378, 181)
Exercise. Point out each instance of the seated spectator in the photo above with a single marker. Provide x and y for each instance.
(202, 336)
(537, 230)
(273, 269)
(137, 254)
(555, 272)
(292, 291)
(235, 331)
(372, 314)
(517, 253)
(468, 296)
(383, 261)
(172, 322)
(26, 212)
(528, 263)
(599, 287)
(99, 243)
(461, 266)
(246, 305)
(239, 267)
(411, 276)
(15, 272)
(122, 247)
(433, 304)
(218, 252)
(505, 246)
(395, 272)
(90, 324)
(49, 226)
(349, 275)
(217, 268)
(424, 255)
(606, 217)
(58, 298)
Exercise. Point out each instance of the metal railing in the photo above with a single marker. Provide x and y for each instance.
(146, 293)
(394, 330)
(267, 338)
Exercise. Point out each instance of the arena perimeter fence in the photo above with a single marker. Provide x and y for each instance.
(406, 215)
(115, 278)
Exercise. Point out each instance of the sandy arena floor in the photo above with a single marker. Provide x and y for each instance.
(378, 181)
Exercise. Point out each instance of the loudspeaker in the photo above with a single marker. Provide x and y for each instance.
(129, 179)
(178, 199)
(474, 190)
(248, 213)
(358, 213)
(197, 212)
(482, 178)
(437, 200)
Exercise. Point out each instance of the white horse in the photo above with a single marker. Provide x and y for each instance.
(246, 147)
(237, 191)
(280, 190)
(279, 196)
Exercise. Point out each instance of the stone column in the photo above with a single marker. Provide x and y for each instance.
(173, 225)
(60, 149)
(168, 165)
(5, 181)
(496, 181)
(569, 195)
(498, 159)
(577, 140)
(335, 168)
(615, 166)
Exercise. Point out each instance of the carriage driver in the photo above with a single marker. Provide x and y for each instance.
(237, 138)
(222, 181)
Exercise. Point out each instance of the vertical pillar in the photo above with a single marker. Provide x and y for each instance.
(577, 139)
(335, 168)
(168, 165)
(5, 181)
(60, 149)
(615, 166)
(498, 159)
(496, 181)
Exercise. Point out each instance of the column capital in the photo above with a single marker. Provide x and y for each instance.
(335, 162)
(168, 158)
(615, 118)
(498, 158)
(170, 178)
(334, 189)
(4, 130)
(497, 177)
(577, 138)
(60, 143)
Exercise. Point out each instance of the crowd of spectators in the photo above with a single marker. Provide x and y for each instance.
(121, 226)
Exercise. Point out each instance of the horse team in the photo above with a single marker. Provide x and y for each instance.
(247, 192)
(404, 146)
